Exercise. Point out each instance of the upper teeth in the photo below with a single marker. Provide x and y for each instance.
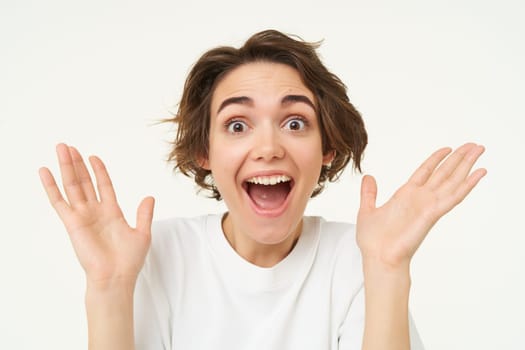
(268, 180)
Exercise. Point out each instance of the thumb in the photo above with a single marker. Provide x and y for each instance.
(145, 214)
(368, 193)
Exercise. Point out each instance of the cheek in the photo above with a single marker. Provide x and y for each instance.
(309, 152)
(225, 161)
(222, 151)
(310, 160)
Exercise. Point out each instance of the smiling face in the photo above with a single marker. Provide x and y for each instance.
(265, 155)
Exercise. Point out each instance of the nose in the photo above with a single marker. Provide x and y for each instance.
(267, 143)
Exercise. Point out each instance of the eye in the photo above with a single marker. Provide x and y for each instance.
(295, 124)
(236, 126)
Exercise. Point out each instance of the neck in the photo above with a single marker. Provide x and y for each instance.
(257, 253)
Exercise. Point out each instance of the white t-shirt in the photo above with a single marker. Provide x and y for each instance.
(196, 292)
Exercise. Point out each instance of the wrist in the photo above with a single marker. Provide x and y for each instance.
(113, 283)
(380, 264)
(114, 289)
(384, 276)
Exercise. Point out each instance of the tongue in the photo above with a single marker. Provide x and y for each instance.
(269, 196)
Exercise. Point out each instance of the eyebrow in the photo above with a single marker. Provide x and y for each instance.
(242, 100)
(290, 99)
(286, 100)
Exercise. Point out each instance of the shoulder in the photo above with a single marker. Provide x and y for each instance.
(174, 240)
(339, 240)
(335, 230)
(337, 251)
(168, 232)
(179, 246)
(165, 228)
(338, 259)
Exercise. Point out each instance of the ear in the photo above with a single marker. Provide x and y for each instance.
(328, 157)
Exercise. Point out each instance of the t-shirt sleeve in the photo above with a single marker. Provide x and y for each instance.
(351, 332)
(148, 335)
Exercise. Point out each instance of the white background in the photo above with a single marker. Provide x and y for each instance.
(98, 74)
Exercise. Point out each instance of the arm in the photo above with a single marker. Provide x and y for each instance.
(386, 307)
(110, 316)
(388, 237)
(109, 250)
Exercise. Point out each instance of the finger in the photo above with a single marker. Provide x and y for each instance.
(70, 180)
(145, 215)
(467, 186)
(422, 174)
(52, 191)
(104, 185)
(464, 168)
(449, 166)
(83, 174)
(368, 193)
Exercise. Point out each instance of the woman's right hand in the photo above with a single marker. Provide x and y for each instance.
(109, 250)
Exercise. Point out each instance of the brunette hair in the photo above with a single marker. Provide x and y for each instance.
(341, 125)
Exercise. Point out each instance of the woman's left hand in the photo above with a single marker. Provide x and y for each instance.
(391, 234)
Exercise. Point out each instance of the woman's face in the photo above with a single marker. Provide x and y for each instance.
(265, 151)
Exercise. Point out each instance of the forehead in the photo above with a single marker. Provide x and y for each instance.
(260, 81)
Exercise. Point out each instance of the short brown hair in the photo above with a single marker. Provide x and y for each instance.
(341, 125)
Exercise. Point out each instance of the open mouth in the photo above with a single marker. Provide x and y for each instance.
(268, 193)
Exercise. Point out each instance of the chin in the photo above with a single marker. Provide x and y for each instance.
(275, 230)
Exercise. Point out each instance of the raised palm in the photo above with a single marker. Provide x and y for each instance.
(393, 232)
(108, 249)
